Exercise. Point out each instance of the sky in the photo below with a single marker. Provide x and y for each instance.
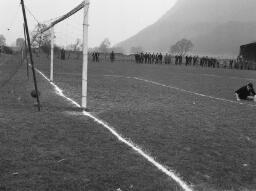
(116, 20)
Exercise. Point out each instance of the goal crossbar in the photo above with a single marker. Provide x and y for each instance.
(67, 15)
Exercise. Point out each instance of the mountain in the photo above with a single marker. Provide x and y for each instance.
(216, 27)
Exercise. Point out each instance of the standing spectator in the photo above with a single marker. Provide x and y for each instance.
(112, 56)
(62, 54)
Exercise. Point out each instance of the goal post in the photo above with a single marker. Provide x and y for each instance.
(85, 56)
(85, 6)
(52, 52)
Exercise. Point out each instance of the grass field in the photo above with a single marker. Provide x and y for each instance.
(186, 117)
(60, 149)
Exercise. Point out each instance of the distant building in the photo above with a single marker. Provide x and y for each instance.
(248, 52)
(248, 55)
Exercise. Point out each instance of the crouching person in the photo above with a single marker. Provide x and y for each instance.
(245, 93)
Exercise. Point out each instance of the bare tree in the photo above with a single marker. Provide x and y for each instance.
(182, 47)
(2, 40)
(77, 47)
(20, 42)
(104, 46)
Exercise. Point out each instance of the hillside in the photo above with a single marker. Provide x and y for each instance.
(215, 27)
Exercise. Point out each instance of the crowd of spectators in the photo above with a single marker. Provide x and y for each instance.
(188, 60)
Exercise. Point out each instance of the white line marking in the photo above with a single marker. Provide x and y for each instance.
(129, 143)
(182, 90)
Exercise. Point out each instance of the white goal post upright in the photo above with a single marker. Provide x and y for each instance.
(52, 52)
(85, 5)
(85, 55)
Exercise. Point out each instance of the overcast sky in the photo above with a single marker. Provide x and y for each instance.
(113, 19)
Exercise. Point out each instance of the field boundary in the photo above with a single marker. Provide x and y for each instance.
(170, 173)
(180, 89)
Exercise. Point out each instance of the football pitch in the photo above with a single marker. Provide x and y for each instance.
(187, 118)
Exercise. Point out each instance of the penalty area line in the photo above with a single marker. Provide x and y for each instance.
(180, 89)
(170, 173)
